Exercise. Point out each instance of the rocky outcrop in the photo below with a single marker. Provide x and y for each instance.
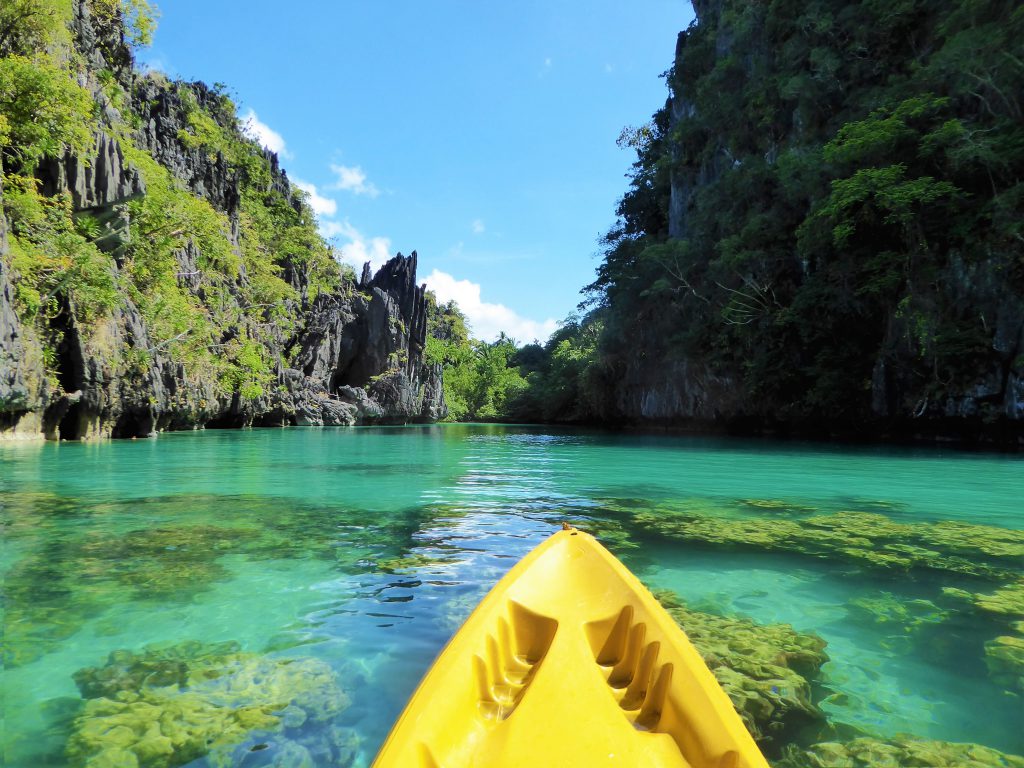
(936, 353)
(358, 361)
(686, 390)
(366, 351)
(164, 116)
(97, 182)
(23, 390)
(355, 355)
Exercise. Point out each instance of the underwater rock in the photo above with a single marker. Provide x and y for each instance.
(67, 576)
(864, 538)
(900, 752)
(778, 506)
(1004, 657)
(904, 617)
(1007, 601)
(903, 622)
(169, 705)
(414, 561)
(764, 668)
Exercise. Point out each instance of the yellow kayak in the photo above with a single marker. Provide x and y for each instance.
(569, 661)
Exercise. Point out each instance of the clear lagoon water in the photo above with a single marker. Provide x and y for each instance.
(363, 549)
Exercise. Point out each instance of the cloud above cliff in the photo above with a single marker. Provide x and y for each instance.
(322, 206)
(356, 248)
(353, 179)
(487, 320)
(256, 129)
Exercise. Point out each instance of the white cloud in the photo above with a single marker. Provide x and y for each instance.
(353, 179)
(322, 206)
(487, 320)
(357, 248)
(264, 134)
(478, 226)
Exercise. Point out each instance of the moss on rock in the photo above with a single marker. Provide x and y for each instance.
(900, 752)
(1004, 655)
(169, 705)
(864, 538)
(764, 668)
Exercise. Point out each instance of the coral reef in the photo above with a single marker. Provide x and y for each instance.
(905, 616)
(1004, 655)
(66, 575)
(1005, 602)
(169, 705)
(864, 538)
(764, 668)
(902, 752)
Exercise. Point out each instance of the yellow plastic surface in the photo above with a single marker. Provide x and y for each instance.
(569, 661)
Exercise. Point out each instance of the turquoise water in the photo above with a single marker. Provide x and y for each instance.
(362, 550)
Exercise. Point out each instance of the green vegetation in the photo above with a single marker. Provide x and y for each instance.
(33, 25)
(42, 112)
(561, 380)
(480, 379)
(838, 201)
(169, 705)
(843, 184)
(216, 288)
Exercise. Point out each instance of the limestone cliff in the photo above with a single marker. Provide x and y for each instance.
(267, 331)
(823, 231)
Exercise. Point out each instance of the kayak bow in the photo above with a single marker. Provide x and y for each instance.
(569, 661)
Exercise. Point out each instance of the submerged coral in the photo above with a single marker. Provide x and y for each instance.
(1005, 602)
(905, 616)
(765, 669)
(169, 705)
(904, 620)
(900, 752)
(862, 537)
(71, 560)
(1004, 655)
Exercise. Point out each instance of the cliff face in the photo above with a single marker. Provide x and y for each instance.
(818, 239)
(288, 337)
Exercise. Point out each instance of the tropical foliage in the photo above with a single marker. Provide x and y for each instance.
(213, 291)
(846, 176)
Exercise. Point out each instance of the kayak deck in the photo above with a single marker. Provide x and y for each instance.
(569, 661)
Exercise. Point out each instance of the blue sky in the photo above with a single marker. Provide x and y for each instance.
(480, 134)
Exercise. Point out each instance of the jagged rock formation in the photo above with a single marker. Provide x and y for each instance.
(368, 351)
(163, 116)
(351, 354)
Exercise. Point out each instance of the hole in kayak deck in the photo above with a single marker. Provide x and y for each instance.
(630, 666)
(512, 654)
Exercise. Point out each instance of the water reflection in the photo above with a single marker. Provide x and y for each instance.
(361, 551)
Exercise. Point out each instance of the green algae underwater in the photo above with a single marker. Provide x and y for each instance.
(272, 597)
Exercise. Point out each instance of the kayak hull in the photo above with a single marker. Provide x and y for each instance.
(569, 661)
